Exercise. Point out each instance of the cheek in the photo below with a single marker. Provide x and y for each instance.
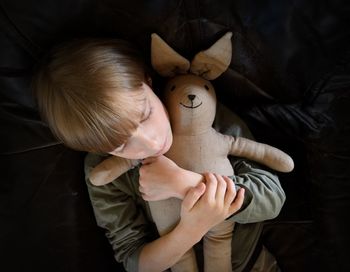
(161, 118)
(165, 121)
(161, 113)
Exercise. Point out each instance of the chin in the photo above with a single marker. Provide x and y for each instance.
(166, 147)
(165, 150)
(169, 142)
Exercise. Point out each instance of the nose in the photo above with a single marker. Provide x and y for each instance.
(191, 97)
(152, 143)
(149, 140)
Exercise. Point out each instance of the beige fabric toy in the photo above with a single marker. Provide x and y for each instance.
(191, 102)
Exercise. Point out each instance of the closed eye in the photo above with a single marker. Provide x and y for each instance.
(147, 115)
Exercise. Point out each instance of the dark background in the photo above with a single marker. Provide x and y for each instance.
(289, 80)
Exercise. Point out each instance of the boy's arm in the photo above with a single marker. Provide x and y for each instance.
(130, 233)
(116, 210)
(120, 210)
(203, 207)
(161, 178)
(264, 196)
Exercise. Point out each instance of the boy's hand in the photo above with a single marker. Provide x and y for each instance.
(207, 205)
(161, 178)
(158, 178)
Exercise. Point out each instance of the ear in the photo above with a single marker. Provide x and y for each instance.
(211, 63)
(165, 60)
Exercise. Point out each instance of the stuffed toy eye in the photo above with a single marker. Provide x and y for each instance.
(172, 88)
(206, 87)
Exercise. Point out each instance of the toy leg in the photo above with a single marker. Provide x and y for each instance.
(187, 263)
(166, 214)
(217, 248)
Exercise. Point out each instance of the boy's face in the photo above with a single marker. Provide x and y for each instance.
(153, 137)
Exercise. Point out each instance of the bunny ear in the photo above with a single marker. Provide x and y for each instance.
(165, 60)
(211, 63)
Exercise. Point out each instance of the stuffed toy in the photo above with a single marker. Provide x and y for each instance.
(191, 102)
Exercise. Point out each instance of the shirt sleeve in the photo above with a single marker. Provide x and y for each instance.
(121, 213)
(264, 195)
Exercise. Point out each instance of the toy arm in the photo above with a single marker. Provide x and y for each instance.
(261, 153)
(110, 169)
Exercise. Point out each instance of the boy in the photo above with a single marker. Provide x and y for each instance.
(95, 96)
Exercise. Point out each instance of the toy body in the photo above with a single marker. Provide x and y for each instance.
(199, 148)
(191, 102)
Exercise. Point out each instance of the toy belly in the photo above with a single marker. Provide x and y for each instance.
(199, 156)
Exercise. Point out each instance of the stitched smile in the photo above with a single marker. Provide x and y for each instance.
(191, 107)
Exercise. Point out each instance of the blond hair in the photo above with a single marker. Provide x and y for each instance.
(89, 92)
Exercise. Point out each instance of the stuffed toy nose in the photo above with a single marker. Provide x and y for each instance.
(191, 97)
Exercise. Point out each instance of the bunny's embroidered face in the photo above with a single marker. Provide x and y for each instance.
(189, 96)
(191, 103)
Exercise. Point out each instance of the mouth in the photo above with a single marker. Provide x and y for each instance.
(191, 107)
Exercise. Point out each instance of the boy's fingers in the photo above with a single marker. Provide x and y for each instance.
(221, 188)
(230, 191)
(238, 202)
(192, 196)
(211, 184)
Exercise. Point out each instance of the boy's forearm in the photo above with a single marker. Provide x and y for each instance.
(164, 252)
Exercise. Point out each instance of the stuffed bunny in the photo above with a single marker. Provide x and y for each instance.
(191, 102)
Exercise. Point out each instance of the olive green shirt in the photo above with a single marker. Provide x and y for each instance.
(126, 218)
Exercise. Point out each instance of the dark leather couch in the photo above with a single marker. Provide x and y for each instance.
(289, 80)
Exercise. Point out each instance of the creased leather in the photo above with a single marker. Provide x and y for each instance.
(288, 80)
